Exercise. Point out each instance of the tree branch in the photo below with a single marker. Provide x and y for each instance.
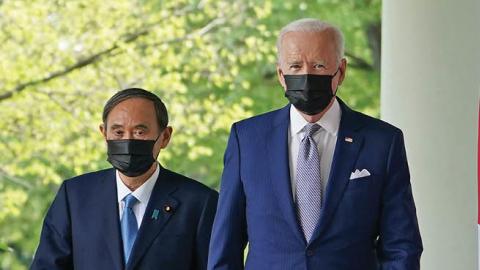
(357, 62)
(128, 38)
(97, 56)
(13, 179)
(197, 33)
(4, 247)
(81, 63)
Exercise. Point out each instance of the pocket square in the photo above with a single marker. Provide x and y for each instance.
(359, 174)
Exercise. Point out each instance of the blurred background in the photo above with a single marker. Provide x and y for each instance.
(212, 62)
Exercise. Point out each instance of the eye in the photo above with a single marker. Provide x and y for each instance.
(118, 133)
(318, 66)
(140, 132)
(295, 66)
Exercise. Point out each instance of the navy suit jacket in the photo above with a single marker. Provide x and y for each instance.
(366, 223)
(82, 229)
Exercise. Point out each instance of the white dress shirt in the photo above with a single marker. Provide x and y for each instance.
(142, 194)
(326, 138)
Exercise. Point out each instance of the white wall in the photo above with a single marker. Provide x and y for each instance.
(430, 89)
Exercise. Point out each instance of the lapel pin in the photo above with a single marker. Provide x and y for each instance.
(167, 208)
(348, 139)
(155, 214)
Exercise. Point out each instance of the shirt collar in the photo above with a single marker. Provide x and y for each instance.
(330, 121)
(142, 193)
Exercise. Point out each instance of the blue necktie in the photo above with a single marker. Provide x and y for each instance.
(129, 225)
(309, 185)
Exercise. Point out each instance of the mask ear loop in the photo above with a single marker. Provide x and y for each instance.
(158, 137)
(335, 74)
(156, 142)
(160, 134)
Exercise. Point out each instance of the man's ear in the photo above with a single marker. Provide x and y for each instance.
(343, 69)
(165, 137)
(280, 77)
(103, 130)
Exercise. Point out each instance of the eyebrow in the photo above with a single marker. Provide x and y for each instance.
(323, 62)
(142, 126)
(115, 126)
(139, 126)
(294, 62)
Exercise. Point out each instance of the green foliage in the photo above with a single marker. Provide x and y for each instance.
(211, 61)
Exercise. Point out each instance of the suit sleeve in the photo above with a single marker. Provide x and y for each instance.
(229, 234)
(399, 244)
(205, 229)
(55, 249)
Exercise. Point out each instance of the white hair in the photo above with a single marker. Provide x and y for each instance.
(313, 25)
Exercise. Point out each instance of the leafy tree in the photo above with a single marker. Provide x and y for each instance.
(212, 62)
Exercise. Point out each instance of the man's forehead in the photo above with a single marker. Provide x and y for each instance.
(294, 44)
(326, 34)
(134, 101)
(297, 52)
(298, 38)
(138, 109)
(134, 105)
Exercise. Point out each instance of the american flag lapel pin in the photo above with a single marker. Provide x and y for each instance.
(348, 139)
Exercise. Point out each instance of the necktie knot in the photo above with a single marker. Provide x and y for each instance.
(130, 200)
(310, 129)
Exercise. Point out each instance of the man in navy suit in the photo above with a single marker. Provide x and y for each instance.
(314, 185)
(136, 216)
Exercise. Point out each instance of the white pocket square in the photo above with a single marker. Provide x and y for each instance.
(359, 174)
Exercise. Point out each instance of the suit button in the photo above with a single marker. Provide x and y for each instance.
(309, 252)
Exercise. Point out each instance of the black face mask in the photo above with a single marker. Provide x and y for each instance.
(309, 93)
(131, 157)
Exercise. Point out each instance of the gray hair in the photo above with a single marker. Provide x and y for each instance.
(313, 25)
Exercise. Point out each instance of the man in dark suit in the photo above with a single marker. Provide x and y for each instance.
(314, 185)
(136, 216)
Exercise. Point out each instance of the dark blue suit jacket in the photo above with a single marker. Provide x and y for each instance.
(367, 223)
(82, 230)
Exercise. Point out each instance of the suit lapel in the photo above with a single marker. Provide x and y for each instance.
(278, 162)
(347, 148)
(161, 207)
(110, 225)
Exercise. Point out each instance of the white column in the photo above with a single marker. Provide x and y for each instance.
(430, 88)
